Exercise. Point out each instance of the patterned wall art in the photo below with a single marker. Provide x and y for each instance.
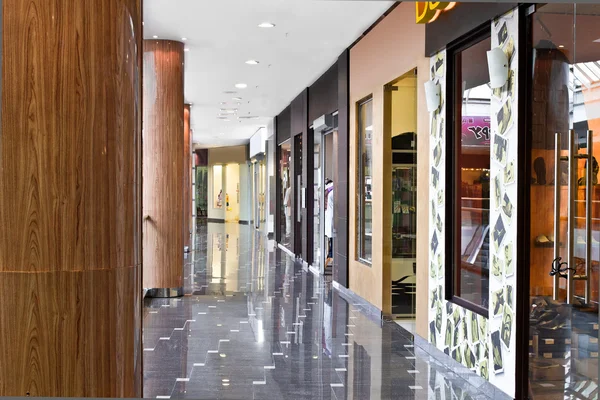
(486, 346)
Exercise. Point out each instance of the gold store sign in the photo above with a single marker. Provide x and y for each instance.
(428, 11)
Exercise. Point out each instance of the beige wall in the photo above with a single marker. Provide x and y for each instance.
(394, 47)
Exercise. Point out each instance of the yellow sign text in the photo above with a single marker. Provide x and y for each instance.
(428, 11)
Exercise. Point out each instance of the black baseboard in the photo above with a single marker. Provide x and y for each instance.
(245, 222)
(215, 220)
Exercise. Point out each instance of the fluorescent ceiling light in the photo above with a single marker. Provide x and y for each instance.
(155, 37)
(252, 62)
(241, 85)
(266, 25)
(184, 39)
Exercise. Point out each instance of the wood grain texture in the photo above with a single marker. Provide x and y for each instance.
(71, 333)
(69, 208)
(163, 164)
(187, 176)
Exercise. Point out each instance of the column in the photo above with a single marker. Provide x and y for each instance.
(163, 149)
(187, 176)
(70, 209)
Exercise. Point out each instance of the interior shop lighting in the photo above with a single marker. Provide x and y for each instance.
(498, 67)
(252, 62)
(432, 95)
(241, 85)
(266, 25)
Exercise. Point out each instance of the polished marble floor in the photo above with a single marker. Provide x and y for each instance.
(255, 325)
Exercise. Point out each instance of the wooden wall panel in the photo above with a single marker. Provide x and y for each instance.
(396, 31)
(70, 209)
(187, 176)
(163, 164)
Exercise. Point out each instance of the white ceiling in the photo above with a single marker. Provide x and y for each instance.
(223, 34)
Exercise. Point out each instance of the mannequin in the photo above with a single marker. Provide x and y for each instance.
(329, 220)
(287, 201)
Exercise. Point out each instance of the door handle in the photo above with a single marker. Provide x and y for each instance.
(588, 214)
(557, 188)
(572, 161)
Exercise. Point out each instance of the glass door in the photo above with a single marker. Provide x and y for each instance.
(256, 194)
(327, 194)
(318, 205)
(565, 202)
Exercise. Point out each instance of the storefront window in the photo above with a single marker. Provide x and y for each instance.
(287, 197)
(470, 208)
(365, 163)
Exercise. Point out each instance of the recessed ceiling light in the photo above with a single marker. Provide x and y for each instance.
(186, 49)
(266, 25)
(241, 85)
(184, 39)
(252, 62)
(155, 37)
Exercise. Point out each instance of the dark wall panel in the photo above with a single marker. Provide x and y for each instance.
(323, 95)
(340, 264)
(282, 125)
(460, 20)
(299, 126)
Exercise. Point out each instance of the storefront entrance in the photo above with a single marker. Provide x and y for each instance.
(324, 181)
(564, 201)
(401, 105)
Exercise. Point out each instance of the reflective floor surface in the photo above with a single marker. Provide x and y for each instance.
(255, 325)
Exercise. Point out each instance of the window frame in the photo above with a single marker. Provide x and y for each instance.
(454, 97)
(361, 205)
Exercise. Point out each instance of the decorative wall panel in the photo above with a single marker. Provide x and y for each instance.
(486, 346)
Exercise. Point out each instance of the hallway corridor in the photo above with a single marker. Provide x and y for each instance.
(254, 325)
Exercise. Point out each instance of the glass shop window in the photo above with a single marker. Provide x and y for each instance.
(469, 162)
(365, 171)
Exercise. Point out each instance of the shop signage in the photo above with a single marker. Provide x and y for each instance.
(428, 11)
(475, 131)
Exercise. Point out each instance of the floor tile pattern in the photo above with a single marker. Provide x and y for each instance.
(255, 325)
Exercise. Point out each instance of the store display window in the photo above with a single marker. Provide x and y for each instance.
(287, 197)
(365, 162)
(470, 155)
